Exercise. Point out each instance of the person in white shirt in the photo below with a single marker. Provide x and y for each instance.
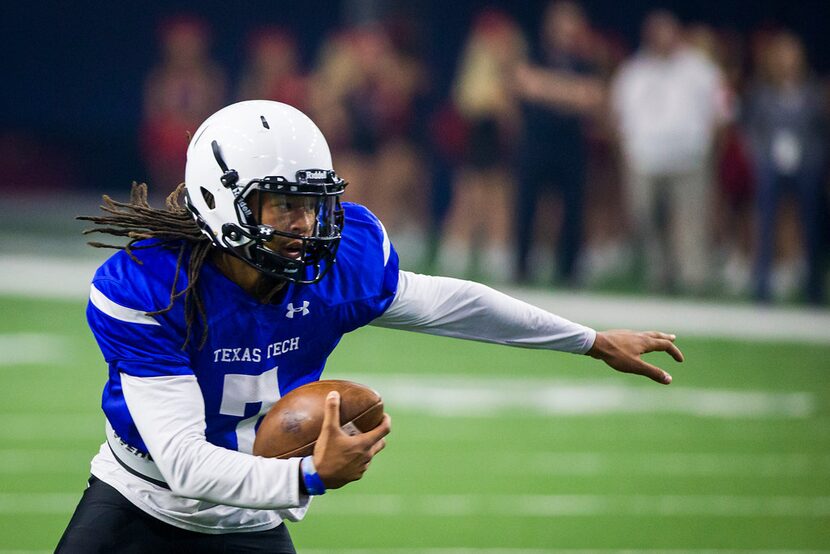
(669, 102)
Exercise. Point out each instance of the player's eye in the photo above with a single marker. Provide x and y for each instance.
(276, 203)
(288, 203)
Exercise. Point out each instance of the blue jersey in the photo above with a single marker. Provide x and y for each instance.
(254, 352)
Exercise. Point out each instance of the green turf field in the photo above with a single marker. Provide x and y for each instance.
(734, 456)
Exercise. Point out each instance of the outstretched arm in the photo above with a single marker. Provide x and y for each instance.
(581, 94)
(464, 309)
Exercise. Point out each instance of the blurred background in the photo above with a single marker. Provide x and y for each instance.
(635, 164)
(669, 147)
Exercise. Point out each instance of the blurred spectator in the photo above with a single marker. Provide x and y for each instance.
(272, 69)
(557, 91)
(179, 93)
(335, 77)
(482, 197)
(364, 96)
(732, 164)
(786, 121)
(669, 102)
(605, 255)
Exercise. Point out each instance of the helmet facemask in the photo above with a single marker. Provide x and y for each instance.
(294, 227)
(288, 230)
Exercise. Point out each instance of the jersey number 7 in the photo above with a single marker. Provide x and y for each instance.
(238, 391)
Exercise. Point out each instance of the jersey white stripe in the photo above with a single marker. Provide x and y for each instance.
(387, 246)
(117, 311)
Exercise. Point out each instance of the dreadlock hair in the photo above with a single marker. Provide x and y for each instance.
(138, 221)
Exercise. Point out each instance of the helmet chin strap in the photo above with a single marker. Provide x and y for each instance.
(279, 264)
(235, 232)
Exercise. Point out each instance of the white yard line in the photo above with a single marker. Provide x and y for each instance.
(664, 464)
(46, 277)
(31, 348)
(60, 427)
(54, 461)
(549, 551)
(454, 396)
(15, 461)
(490, 397)
(36, 503)
(69, 277)
(516, 505)
(528, 505)
(416, 550)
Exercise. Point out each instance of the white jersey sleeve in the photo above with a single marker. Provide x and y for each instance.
(169, 413)
(468, 310)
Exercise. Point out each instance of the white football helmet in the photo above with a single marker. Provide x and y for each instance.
(262, 153)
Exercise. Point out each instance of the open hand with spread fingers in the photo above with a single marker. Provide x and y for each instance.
(621, 349)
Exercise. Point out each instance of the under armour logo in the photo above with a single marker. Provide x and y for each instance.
(292, 310)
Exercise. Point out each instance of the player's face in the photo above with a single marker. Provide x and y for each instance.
(286, 213)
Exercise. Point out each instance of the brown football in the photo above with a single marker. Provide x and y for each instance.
(292, 425)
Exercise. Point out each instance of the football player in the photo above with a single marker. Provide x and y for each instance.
(217, 307)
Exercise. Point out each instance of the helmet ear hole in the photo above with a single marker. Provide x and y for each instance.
(209, 199)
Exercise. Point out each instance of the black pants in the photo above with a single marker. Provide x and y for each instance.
(566, 177)
(105, 521)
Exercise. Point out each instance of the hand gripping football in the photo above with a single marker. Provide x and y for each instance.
(292, 425)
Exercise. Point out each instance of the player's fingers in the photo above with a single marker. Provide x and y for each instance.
(655, 345)
(377, 447)
(659, 335)
(665, 345)
(652, 372)
(376, 434)
(675, 353)
(331, 415)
